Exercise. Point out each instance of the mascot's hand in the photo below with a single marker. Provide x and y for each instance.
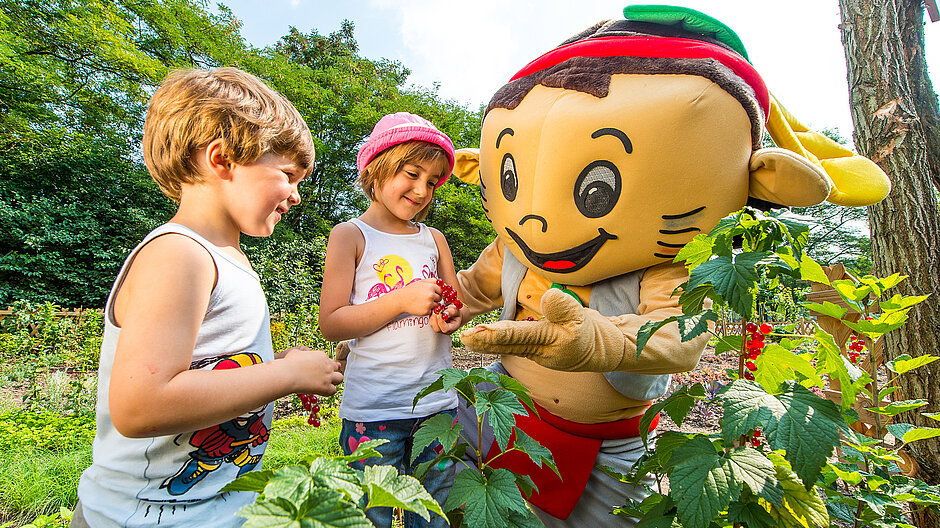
(570, 337)
(341, 354)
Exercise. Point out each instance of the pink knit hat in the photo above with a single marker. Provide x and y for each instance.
(400, 127)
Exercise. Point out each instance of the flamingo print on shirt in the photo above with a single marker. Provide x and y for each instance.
(395, 272)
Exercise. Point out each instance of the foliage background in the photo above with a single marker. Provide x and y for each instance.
(74, 195)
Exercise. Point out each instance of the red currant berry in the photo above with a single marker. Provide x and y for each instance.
(751, 327)
(314, 421)
(751, 366)
(765, 328)
(749, 375)
(756, 433)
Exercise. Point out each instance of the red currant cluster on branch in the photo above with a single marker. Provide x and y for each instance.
(449, 295)
(755, 438)
(856, 346)
(754, 345)
(311, 404)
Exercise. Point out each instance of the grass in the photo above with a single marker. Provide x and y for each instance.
(39, 481)
(34, 482)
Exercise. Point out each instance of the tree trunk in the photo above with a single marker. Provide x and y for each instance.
(895, 115)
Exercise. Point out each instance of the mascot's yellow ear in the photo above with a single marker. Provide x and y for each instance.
(467, 166)
(787, 178)
(856, 180)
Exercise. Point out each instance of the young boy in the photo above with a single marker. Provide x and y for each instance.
(187, 370)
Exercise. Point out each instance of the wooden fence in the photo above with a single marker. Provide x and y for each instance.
(805, 327)
(76, 313)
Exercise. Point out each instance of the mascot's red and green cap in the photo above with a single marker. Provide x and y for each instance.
(652, 39)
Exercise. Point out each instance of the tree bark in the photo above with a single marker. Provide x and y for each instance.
(897, 125)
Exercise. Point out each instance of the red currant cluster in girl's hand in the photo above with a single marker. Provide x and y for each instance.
(449, 295)
(856, 345)
(312, 405)
(754, 346)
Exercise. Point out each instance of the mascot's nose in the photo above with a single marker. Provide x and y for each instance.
(537, 218)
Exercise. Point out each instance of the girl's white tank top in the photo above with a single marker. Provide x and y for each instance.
(387, 368)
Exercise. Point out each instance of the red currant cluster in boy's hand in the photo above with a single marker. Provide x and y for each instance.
(754, 345)
(449, 295)
(311, 404)
(856, 345)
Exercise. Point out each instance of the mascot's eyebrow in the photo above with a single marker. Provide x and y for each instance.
(627, 144)
(503, 133)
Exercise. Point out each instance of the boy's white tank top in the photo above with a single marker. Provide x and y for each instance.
(387, 368)
(156, 481)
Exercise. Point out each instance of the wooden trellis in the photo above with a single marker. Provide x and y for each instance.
(75, 313)
(869, 423)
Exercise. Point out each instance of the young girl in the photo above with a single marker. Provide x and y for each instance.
(380, 291)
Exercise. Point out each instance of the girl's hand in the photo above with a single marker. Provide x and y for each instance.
(447, 324)
(314, 371)
(419, 297)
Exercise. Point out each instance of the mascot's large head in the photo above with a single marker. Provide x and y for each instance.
(610, 152)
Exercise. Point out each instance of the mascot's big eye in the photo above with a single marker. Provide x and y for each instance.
(597, 189)
(508, 179)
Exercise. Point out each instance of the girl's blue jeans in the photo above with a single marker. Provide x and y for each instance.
(397, 453)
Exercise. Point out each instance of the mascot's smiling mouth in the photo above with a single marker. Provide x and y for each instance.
(565, 261)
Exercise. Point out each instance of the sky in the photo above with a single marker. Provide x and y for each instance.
(471, 48)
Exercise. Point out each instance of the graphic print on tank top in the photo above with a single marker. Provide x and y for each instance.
(394, 272)
(225, 443)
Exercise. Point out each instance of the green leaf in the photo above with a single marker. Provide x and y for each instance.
(692, 300)
(441, 427)
(776, 365)
(733, 279)
(512, 385)
(932, 416)
(700, 483)
(904, 363)
(899, 302)
(677, 406)
(388, 488)
(896, 408)
(364, 450)
(290, 482)
(811, 270)
(254, 481)
(850, 475)
(696, 252)
(795, 420)
(749, 466)
(322, 508)
(801, 507)
(488, 500)
(750, 514)
(500, 406)
(538, 453)
(647, 330)
(829, 360)
(827, 308)
(337, 475)
(908, 433)
(875, 328)
(692, 326)
(728, 343)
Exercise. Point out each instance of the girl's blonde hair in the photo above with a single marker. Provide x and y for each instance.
(391, 160)
(192, 108)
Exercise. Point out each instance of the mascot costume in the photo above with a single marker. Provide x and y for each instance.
(598, 161)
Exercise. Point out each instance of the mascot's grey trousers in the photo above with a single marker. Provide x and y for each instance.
(602, 493)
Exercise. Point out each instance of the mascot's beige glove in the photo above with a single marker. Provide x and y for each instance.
(570, 337)
(341, 354)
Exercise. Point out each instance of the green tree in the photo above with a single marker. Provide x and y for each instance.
(71, 212)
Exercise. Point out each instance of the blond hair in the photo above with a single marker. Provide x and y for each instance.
(192, 108)
(388, 162)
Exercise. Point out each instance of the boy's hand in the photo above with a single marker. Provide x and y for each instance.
(315, 372)
(419, 297)
(449, 323)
